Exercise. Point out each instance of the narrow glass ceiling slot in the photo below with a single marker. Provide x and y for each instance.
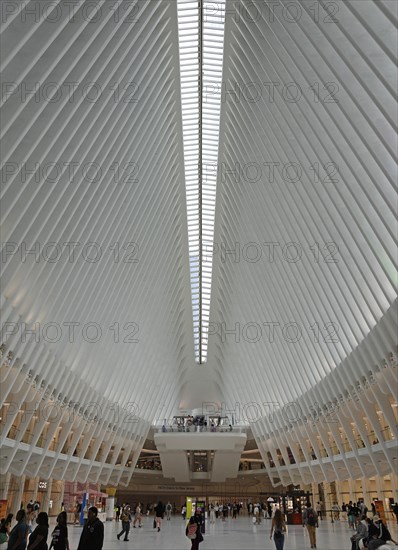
(201, 48)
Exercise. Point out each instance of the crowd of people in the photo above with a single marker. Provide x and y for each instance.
(198, 423)
(368, 529)
(23, 537)
(132, 515)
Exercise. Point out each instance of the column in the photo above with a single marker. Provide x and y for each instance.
(380, 487)
(45, 505)
(61, 494)
(16, 505)
(351, 489)
(35, 488)
(5, 485)
(394, 486)
(366, 491)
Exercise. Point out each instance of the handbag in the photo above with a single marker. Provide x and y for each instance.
(191, 531)
(3, 537)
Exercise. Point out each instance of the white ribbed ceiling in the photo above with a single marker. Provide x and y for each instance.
(97, 156)
(301, 168)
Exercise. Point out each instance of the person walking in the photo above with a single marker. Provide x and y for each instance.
(159, 514)
(184, 512)
(194, 529)
(59, 536)
(76, 511)
(19, 534)
(38, 539)
(257, 514)
(169, 509)
(319, 510)
(126, 519)
(92, 537)
(212, 514)
(117, 512)
(138, 515)
(278, 529)
(395, 511)
(310, 520)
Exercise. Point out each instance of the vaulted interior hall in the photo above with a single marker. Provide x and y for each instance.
(199, 264)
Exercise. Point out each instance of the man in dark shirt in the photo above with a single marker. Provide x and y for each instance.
(92, 537)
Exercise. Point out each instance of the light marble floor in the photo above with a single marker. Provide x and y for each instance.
(237, 534)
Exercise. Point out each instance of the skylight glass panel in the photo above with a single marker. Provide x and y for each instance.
(201, 45)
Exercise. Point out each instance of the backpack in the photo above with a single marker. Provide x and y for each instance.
(191, 531)
(311, 519)
(125, 517)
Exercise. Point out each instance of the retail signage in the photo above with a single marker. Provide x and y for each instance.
(42, 485)
(176, 488)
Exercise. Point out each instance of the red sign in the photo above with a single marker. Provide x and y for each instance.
(3, 508)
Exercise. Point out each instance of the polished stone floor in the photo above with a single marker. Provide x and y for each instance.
(238, 534)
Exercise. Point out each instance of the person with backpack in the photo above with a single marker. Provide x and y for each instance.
(126, 519)
(194, 529)
(310, 520)
(278, 528)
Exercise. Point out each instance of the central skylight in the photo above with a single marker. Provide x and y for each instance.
(201, 44)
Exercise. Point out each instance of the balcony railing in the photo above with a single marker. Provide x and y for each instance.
(199, 429)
